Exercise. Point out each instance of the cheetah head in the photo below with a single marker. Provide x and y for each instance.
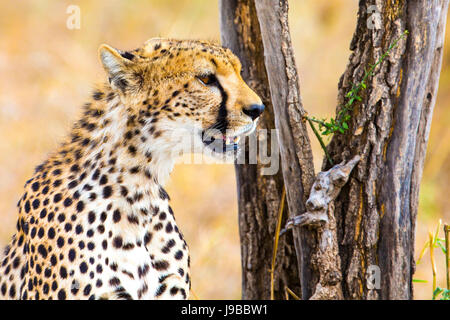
(178, 89)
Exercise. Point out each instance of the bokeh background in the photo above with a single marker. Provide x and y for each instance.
(47, 72)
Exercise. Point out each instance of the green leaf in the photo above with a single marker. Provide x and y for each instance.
(437, 292)
(420, 281)
(446, 295)
(442, 247)
(345, 125)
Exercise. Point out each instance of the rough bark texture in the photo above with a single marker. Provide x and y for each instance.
(258, 195)
(376, 211)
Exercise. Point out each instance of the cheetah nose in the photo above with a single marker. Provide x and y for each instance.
(254, 110)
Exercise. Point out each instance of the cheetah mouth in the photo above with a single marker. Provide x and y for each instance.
(229, 142)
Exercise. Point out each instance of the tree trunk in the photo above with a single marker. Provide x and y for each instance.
(258, 195)
(376, 211)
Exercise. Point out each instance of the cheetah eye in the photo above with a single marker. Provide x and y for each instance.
(208, 80)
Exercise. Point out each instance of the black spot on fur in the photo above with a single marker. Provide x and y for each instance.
(62, 294)
(42, 250)
(163, 194)
(107, 191)
(117, 242)
(83, 267)
(127, 55)
(98, 95)
(72, 255)
(161, 265)
(67, 202)
(116, 216)
(80, 206)
(161, 289)
(35, 186)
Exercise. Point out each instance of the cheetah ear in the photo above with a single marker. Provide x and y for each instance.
(111, 59)
(116, 63)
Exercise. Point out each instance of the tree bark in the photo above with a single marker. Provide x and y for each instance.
(376, 211)
(258, 195)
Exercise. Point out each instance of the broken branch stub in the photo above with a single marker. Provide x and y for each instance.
(325, 189)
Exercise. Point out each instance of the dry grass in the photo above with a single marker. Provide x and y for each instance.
(47, 72)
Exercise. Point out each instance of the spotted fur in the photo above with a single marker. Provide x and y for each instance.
(94, 220)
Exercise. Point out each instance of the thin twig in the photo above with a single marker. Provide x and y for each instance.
(424, 250)
(322, 144)
(316, 120)
(275, 246)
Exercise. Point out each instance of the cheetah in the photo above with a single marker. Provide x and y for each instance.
(94, 221)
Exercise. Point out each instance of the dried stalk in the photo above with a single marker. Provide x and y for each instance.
(433, 262)
(447, 245)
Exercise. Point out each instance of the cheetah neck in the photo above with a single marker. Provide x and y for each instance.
(135, 146)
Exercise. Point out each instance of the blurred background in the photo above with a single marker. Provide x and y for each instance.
(48, 70)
